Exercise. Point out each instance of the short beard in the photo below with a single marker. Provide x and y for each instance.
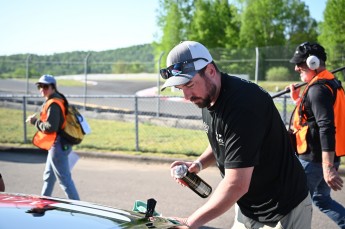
(206, 102)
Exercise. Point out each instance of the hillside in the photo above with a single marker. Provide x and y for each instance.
(139, 58)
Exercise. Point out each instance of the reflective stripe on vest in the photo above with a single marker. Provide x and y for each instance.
(42, 139)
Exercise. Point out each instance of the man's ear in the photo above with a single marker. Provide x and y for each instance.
(211, 70)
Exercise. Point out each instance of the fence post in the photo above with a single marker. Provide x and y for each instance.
(284, 109)
(257, 65)
(85, 78)
(158, 84)
(27, 72)
(136, 123)
(24, 118)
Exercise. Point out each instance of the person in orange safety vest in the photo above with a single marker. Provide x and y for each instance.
(47, 137)
(315, 130)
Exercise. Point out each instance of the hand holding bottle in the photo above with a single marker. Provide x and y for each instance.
(187, 178)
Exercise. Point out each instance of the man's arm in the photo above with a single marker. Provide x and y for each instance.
(234, 185)
(206, 159)
(322, 107)
(53, 121)
(330, 174)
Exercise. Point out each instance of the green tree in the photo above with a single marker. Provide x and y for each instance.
(171, 20)
(71, 63)
(299, 26)
(214, 24)
(263, 23)
(268, 23)
(332, 35)
(276, 22)
(119, 67)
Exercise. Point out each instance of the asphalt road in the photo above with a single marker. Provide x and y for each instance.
(119, 183)
(110, 87)
(112, 182)
(117, 87)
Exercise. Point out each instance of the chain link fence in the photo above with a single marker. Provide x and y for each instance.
(132, 123)
(254, 63)
(139, 123)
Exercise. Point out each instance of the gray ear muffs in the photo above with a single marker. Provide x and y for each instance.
(313, 62)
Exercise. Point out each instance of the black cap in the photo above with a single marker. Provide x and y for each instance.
(306, 49)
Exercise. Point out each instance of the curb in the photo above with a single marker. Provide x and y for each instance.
(102, 155)
(110, 155)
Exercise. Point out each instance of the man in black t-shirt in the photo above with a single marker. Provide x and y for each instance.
(248, 142)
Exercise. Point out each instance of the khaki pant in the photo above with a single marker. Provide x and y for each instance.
(298, 218)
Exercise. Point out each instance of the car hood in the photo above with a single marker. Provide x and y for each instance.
(32, 211)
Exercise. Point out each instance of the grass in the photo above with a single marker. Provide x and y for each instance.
(115, 136)
(109, 135)
(275, 86)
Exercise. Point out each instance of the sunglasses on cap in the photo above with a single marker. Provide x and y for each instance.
(43, 86)
(177, 69)
(305, 47)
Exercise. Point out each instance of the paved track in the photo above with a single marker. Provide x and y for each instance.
(112, 182)
(117, 87)
(119, 183)
(111, 87)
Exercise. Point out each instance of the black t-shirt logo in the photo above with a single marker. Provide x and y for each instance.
(206, 127)
(220, 139)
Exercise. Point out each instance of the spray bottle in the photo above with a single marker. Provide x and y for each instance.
(193, 181)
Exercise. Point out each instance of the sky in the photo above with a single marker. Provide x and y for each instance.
(45, 27)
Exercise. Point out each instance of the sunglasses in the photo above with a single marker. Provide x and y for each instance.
(43, 86)
(177, 69)
(301, 64)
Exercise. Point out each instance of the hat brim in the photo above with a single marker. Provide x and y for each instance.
(178, 80)
(296, 60)
(42, 82)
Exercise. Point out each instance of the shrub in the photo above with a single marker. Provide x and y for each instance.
(278, 74)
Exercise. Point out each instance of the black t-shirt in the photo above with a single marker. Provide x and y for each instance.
(318, 105)
(245, 130)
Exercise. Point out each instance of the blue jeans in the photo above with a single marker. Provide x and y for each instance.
(57, 168)
(321, 192)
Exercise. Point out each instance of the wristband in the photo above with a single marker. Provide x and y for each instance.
(199, 164)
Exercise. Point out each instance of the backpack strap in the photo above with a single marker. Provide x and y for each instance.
(63, 110)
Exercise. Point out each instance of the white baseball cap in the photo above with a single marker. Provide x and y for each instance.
(184, 61)
(46, 79)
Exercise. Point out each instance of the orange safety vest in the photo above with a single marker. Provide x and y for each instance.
(42, 139)
(300, 125)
